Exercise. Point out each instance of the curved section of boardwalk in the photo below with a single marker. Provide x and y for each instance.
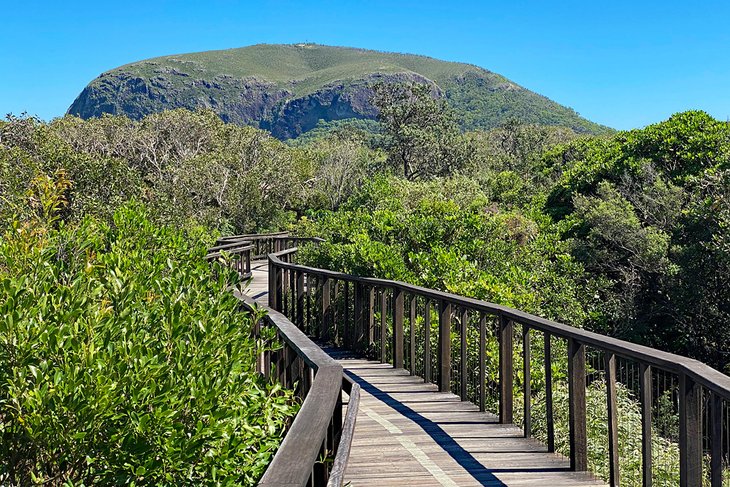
(408, 433)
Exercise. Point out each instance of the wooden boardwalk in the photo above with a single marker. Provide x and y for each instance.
(408, 433)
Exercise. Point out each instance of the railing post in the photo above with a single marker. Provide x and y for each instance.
(690, 432)
(549, 392)
(276, 286)
(325, 309)
(371, 318)
(333, 318)
(716, 426)
(527, 381)
(577, 405)
(444, 346)
(300, 299)
(613, 460)
(359, 317)
(347, 325)
(412, 335)
(398, 328)
(335, 429)
(506, 373)
(427, 341)
(482, 364)
(272, 285)
(383, 326)
(293, 294)
(463, 391)
(646, 402)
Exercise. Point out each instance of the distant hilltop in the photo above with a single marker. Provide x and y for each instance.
(288, 89)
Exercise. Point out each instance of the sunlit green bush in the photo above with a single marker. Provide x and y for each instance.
(123, 361)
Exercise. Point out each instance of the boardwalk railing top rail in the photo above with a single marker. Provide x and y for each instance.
(344, 309)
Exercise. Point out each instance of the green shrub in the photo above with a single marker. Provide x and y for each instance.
(124, 361)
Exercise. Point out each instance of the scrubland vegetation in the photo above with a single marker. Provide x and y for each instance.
(124, 360)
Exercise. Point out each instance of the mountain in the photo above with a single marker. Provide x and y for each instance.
(288, 89)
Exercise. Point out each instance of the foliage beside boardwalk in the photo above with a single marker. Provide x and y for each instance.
(122, 360)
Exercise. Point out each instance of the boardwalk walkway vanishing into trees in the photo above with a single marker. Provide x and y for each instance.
(410, 434)
(454, 391)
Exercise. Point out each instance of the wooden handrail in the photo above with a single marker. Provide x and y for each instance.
(356, 328)
(232, 245)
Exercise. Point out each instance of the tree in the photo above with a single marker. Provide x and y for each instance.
(422, 137)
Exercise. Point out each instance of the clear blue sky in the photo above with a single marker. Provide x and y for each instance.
(623, 64)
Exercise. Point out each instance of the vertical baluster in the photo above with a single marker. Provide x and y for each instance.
(506, 374)
(462, 363)
(444, 346)
(549, 392)
(412, 321)
(577, 405)
(482, 364)
(613, 459)
(427, 341)
(398, 328)
(690, 432)
(527, 382)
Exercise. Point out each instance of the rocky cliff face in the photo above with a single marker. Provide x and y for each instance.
(247, 101)
(242, 101)
(336, 101)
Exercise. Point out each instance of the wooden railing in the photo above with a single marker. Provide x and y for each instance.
(316, 447)
(235, 254)
(264, 243)
(444, 338)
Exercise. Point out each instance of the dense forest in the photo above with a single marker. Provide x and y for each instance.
(627, 234)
